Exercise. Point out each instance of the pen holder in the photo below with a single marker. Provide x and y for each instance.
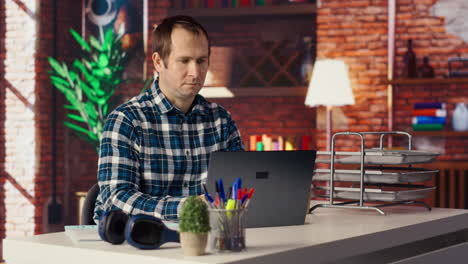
(227, 230)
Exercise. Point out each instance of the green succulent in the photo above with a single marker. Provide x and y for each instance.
(194, 216)
(89, 83)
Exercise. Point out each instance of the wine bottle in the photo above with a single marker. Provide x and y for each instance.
(307, 63)
(409, 60)
(425, 70)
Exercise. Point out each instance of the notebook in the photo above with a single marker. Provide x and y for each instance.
(282, 182)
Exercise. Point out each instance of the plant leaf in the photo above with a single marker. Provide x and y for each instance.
(76, 128)
(103, 60)
(90, 110)
(108, 38)
(95, 43)
(89, 93)
(76, 118)
(61, 87)
(84, 45)
(104, 109)
(70, 107)
(56, 66)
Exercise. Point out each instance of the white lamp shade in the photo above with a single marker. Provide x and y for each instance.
(329, 85)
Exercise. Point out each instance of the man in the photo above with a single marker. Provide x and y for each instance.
(155, 148)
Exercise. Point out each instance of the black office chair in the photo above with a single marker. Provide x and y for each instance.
(87, 212)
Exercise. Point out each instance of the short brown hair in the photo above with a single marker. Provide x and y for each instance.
(161, 39)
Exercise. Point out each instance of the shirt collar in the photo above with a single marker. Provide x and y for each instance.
(164, 106)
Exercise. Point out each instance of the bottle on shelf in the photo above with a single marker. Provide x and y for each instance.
(307, 64)
(425, 70)
(409, 61)
(460, 117)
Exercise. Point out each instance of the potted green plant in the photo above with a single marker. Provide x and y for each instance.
(194, 226)
(89, 83)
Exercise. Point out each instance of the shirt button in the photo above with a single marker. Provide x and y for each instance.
(185, 185)
(187, 152)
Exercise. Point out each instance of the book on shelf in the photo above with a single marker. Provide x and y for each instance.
(428, 120)
(266, 142)
(429, 105)
(429, 112)
(428, 127)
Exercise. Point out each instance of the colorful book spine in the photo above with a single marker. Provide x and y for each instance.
(428, 120)
(430, 112)
(253, 143)
(428, 127)
(224, 3)
(244, 3)
(259, 146)
(429, 105)
(259, 2)
(305, 142)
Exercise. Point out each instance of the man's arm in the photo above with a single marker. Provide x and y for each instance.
(119, 174)
(233, 138)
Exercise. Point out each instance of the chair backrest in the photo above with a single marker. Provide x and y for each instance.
(87, 212)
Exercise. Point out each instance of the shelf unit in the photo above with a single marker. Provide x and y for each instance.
(266, 68)
(440, 133)
(401, 82)
(406, 81)
(273, 10)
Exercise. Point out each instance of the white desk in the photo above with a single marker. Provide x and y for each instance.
(329, 235)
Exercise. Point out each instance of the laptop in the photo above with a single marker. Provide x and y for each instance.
(282, 182)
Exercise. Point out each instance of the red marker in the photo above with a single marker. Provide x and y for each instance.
(249, 196)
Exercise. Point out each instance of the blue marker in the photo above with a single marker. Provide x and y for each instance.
(222, 196)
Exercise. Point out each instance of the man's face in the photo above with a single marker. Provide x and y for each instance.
(184, 74)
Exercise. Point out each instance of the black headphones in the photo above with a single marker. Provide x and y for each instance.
(140, 231)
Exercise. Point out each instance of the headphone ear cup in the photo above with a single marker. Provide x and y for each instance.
(112, 226)
(148, 232)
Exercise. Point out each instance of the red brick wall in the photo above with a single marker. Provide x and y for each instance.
(356, 31)
(65, 50)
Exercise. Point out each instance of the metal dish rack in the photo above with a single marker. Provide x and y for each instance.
(376, 175)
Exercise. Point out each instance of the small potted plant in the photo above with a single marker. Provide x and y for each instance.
(194, 226)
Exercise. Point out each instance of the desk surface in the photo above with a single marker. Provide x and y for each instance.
(328, 235)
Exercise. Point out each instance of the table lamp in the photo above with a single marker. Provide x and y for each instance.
(329, 86)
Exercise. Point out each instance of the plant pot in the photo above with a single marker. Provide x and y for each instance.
(193, 244)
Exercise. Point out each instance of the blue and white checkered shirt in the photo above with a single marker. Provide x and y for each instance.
(152, 155)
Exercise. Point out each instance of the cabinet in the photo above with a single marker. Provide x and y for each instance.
(266, 42)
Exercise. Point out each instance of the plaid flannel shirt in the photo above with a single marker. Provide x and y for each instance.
(152, 155)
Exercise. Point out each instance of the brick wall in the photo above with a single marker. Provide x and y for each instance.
(20, 117)
(356, 31)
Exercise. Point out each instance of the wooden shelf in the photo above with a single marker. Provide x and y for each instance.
(292, 9)
(269, 91)
(406, 81)
(439, 133)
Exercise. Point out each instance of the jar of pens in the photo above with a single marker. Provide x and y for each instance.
(227, 217)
